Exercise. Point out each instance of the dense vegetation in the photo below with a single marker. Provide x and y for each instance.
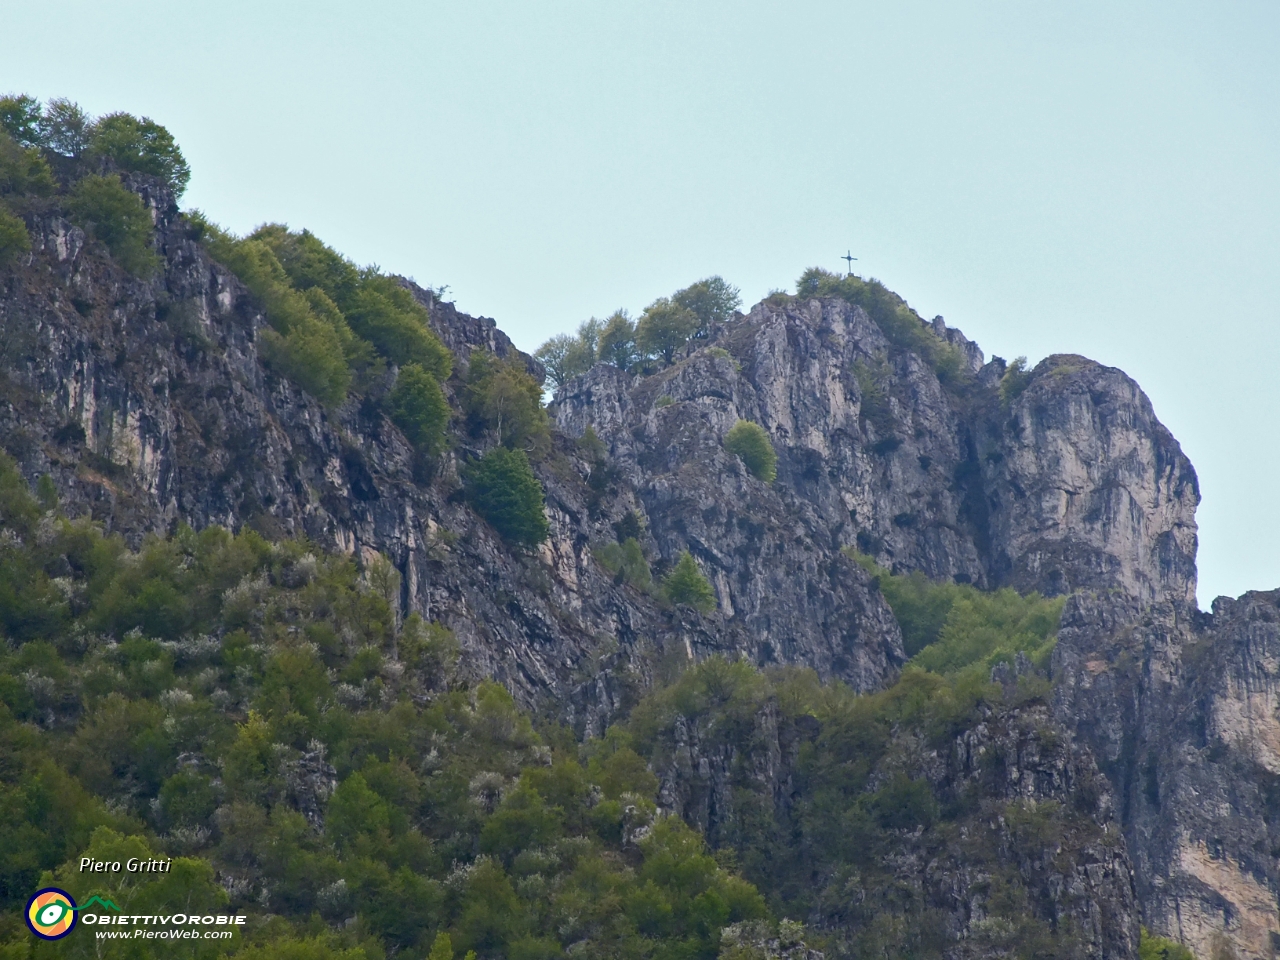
(90, 155)
(950, 627)
(665, 327)
(336, 327)
(866, 802)
(258, 712)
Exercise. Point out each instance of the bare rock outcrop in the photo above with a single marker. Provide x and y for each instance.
(1181, 712)
(1067, 483)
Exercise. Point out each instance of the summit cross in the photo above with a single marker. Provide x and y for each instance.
(849, 257)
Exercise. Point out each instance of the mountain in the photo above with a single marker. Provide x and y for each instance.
(877, 718)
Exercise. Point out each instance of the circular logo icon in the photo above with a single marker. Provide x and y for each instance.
(51, 913)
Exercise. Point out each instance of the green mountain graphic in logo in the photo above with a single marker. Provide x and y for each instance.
(96, 899)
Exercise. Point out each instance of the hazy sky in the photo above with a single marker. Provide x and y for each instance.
(1087, 177)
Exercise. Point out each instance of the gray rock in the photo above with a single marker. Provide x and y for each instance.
(1180, 710)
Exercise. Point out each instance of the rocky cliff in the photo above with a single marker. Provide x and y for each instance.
(148, 404)
(1180, 710)
(1071, 483)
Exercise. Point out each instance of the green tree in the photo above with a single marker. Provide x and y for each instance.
(117, 218)
(65, 127)
(687, 585)
(626, 559)
(618, 341)
(750, 442)
(1016, 379)
(503, 400)
(309, 263)
(23, 171)
(142, 146)
(310, 341)
(442, 949)
(20, 118)
(712, 300)
(564, 357)
(418, 407)
(310, 355)
(504, 491)
(665, 327)
(14, 239)
(385, 314)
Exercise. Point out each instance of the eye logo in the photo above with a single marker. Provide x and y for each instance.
(51, 913)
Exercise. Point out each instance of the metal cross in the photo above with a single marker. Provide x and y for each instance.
(850, 258)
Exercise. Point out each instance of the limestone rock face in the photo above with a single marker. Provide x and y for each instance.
(1089, 490)
(1181, 712)
(1072, 483)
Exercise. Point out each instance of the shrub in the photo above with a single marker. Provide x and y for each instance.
(664, 328)
(1151, 947)
(504, 491)
(23, 171)
(383, 316)
(989, 627)
(140, 145)
(309, 263)
(117, 218)
(720, 353)
(949, 627)
(302, 283)
(919, 605)
(749, 442)
(310, 346)
(14, 239)
(686, 585)
(418, 408)
(874, 407)
(1015, 380)
(712, 301)
(626, 560)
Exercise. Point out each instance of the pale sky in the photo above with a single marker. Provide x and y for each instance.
(1085, 177)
